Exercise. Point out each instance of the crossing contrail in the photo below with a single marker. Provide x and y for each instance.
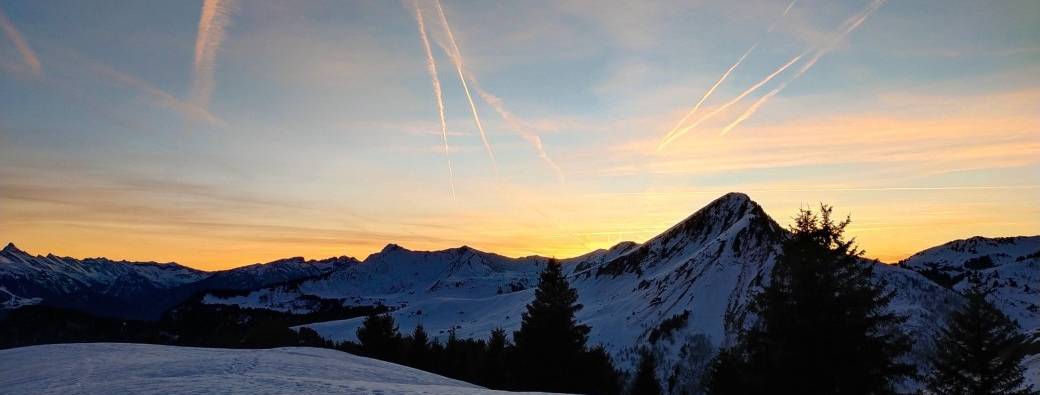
(215, 17)
(456, 56)
(669, 137)
(431, 67)
(28, 55)
(849, 25)
(722, 108)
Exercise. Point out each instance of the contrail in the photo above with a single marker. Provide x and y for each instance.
(157, 96)
(849, 26)
(532, 138)
(715, 112)
(668, 137)
(786, 11)
(28, 56)
(431, 67)
(456, 56)
(215, 17)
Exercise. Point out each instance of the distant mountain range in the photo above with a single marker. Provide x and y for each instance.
(138, 290)
(682, 294)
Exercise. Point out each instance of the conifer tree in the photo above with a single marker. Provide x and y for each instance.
(379, 337)
(977, 353)
(550, 352)
(822, 325)
(645, 382)
(419, 349)
(493, 371)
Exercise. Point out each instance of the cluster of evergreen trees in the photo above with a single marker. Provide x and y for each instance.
(822, 327)
(549, 353)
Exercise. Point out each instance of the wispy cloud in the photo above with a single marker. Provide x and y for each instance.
(157, 97)
(531, 137)
(212, 22)
(28, 55)
(668, 137)
(431, 68)
(456, 56)
(849, 25)
(733, 101)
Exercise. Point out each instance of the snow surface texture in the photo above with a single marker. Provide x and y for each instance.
(113, 368)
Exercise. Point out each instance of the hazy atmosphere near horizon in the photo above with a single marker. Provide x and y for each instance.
(222, 133)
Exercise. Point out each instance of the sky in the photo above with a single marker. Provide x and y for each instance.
(223, 133)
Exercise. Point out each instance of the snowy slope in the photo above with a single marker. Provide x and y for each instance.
(96, 285)
(110, 368)
(1008, 268)
(683, 293)
(280, 271)
(133, 289)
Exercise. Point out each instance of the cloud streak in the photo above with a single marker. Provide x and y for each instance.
(723, 107)
(847, 27)
(456, 56)
(534, 139)
(28, 55)
(212, 22)
(156, 96)
(431, 68)
(669, 137)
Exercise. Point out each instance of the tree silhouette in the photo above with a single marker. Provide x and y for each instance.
(977, 352)
(379, 337)
(493, 371)
(822, 325)
(550, 353)
(419, 349)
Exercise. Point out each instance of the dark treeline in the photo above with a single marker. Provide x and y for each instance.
(549, 353)
(190, 324)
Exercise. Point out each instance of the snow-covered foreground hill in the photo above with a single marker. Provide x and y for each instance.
(118, 368)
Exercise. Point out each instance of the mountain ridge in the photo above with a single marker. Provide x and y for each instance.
(682, 294)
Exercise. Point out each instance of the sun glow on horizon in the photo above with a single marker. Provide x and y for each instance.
(218, 134)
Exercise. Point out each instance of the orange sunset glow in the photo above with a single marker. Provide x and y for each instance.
(242, 132)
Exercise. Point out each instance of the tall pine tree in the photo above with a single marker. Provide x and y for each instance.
(550, 353)
(977, 353)
(822, 324)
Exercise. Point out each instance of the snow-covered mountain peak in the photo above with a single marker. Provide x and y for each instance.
(974, 253)
(12, 249)
(392, 247)
(733, 220)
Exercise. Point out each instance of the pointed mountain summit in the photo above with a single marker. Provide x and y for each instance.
(733, 220)
(12, 249)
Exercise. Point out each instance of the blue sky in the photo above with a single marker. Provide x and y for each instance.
(311, 128)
